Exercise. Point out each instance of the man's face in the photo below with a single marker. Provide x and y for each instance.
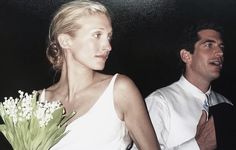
(207, 59)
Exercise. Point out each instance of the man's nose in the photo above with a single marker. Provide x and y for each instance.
(219, 51)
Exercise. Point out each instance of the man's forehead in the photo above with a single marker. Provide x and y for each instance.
(209, 34)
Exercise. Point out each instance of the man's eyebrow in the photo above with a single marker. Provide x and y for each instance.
(208, 40)
(211, 41)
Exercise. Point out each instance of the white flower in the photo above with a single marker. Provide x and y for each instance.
(30, 124)
(10, 106)
(44, 111)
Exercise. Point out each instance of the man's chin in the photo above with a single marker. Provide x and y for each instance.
(215, 76)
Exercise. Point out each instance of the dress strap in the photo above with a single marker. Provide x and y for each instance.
(42, 96)
(114, 79)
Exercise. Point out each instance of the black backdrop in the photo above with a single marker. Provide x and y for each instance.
(144, 41)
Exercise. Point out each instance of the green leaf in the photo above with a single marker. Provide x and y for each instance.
(57, 115)
(52, 138)
(39, 138)
(2, 111)
(34, 128)
(66, 118)
(2, 127)
(28, 135)
(59, 137)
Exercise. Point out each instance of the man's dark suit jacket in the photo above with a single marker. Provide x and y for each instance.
(224, 118)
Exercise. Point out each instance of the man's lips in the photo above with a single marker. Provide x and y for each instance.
(216, 62)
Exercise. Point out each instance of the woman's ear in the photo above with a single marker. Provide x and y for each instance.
(64, 41)
(185, 56)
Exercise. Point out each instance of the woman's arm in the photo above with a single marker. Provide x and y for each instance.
(131, 108)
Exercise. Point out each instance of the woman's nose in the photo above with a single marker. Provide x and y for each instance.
(107, 46)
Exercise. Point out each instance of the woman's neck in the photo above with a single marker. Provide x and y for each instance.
(75, 79)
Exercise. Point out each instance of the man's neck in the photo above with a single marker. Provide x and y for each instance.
(198, 82)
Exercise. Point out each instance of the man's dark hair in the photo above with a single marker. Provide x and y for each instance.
(190, 34)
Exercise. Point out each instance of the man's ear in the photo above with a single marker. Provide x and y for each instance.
(185, 56)
(64, 41)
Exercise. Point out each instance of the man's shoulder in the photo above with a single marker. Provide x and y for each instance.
(164, 91)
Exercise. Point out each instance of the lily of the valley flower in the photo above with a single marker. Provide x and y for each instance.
(30, 124)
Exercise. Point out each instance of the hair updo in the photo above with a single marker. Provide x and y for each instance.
(65, 21)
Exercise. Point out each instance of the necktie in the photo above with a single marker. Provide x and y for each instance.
(206, 103)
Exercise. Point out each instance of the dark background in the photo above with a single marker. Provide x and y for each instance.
(144, 42)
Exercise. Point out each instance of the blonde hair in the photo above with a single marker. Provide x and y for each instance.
(65, 21)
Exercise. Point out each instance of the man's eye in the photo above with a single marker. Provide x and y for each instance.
(208, 45)
(222, 47)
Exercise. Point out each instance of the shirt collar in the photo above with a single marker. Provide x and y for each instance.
(193, 89)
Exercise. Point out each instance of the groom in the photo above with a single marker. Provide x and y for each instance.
(180, 111)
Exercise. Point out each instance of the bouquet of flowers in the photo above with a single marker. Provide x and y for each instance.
(31, 124)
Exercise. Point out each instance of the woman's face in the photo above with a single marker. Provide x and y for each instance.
(90, 46)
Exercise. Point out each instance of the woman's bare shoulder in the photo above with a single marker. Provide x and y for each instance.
(124, 82)
(125, 88)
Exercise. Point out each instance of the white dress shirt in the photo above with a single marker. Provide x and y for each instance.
(175, 111)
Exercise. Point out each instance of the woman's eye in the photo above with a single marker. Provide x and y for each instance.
(97, 35)
(109, 38)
